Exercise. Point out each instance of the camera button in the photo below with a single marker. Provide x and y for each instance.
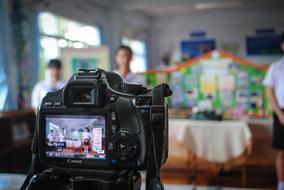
(113, 116)
(123, 146)
(110, 146)
(112, 98)
(122, 134)
(113, 129)
(48, 103)
(57, 103)
(139, 101)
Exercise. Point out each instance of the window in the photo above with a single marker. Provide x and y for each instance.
(3, 77)
(58, 32)
(3, 87)
(139, 61)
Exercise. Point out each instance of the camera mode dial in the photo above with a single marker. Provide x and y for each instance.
(133, 88)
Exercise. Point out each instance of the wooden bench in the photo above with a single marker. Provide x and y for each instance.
(16, 134)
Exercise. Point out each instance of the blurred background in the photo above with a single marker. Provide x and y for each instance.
(213, 53)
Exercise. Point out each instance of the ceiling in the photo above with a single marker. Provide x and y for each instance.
(167, 7)
(161, 7)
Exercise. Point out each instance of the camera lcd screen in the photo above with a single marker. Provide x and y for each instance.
(76, 136)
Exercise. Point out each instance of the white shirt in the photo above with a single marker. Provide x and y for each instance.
(275, 78)
(133, 78)
(42, 88)
(75, 135)
(86, 135)
(62, 137)
(50, 137)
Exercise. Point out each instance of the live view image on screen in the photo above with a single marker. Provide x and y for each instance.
(76, 136)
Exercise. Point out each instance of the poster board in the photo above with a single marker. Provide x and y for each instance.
(227, 81)
(85, 58)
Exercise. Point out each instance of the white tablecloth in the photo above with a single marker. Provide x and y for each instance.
(214, 141)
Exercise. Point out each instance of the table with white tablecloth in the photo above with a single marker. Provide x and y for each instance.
(218, 142)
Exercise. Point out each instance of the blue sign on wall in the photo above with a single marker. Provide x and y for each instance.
(263, 45)
(194, 48)
(265, 42)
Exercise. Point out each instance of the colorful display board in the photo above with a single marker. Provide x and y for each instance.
(215, 79)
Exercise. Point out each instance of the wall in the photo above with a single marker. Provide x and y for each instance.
(226, 26)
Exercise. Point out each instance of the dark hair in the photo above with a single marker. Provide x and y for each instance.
(54, 63)
(123, 47)
(87, 129)
(282, 37)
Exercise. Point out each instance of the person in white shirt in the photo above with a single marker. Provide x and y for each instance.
(62, 135)
(123, 58)
(50, 137)
(51, 83)
(86, 139)
(274, 82)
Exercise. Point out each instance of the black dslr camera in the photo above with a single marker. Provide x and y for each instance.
(97, 132)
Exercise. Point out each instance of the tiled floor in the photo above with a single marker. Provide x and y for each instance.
(255, 177)
(14, 182)
(189, 187)
(11, 181)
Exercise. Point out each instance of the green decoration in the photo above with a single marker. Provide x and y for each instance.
(83, 63)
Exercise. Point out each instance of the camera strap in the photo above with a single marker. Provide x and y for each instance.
(153, 181)
(35, 166)
(158, 127)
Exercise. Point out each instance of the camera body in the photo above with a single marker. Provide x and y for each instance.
(98, 122)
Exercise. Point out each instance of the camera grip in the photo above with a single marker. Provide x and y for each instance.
(127, 116)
